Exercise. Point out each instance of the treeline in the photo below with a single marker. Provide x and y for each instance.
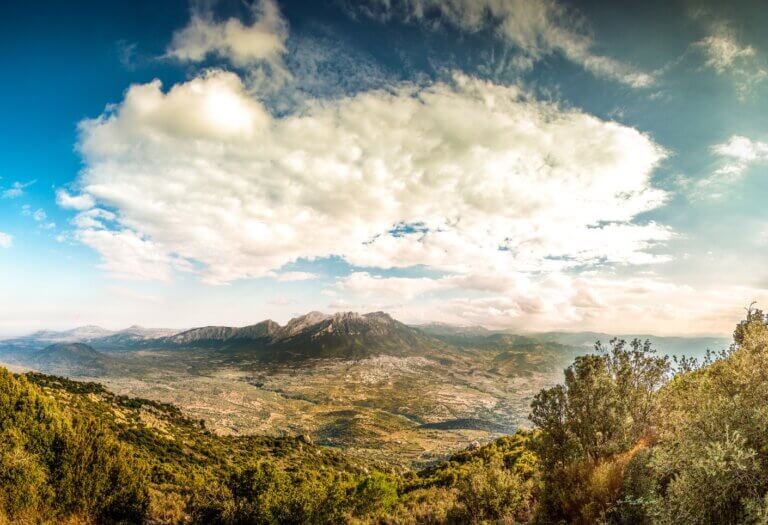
(628, 438)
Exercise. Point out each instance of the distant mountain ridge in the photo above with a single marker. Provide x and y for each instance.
(478, 336)
(670, 345)
(314, 335)
(79, 358)
(347, 335)
(88, 334)
(342, 335)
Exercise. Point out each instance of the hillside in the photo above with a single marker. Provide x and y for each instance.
(134, 460)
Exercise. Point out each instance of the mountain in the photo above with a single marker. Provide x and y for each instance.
(475, 337)
(78, 358)
(349, 335)
(512, 355)
(480, 337)
(94, 335)
(81, 333)
(447, 330)
(128, 337)
(212, 336)
(46, 337)
(345, 335)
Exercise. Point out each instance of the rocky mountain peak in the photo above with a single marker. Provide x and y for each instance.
(301, 323)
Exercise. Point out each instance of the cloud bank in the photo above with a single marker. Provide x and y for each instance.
(464, 177)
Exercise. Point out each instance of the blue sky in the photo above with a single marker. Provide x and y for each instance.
(520, 164)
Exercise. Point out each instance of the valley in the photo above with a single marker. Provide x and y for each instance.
(384, 392)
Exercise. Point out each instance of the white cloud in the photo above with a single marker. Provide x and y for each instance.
(295, 276)
(39, 215)
(735, 156)
(742, 149)
(263, 41)
(538, 28)
(726, 55)
(6, 240)
(16, 189)
(127, 255)
(466, 177)
(722, 50)
(366, 285)
(74, 202)
(94, 219)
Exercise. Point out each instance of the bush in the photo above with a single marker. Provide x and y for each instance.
(23, 484)
(375, 494)
(491, 493)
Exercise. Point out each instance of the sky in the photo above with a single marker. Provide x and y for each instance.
(528, 165)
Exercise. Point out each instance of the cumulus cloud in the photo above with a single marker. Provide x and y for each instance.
(538, 28)
(466, 177)
(244, 45)
(6, 240)
(742, 151)
(727, 56)
(74, 202)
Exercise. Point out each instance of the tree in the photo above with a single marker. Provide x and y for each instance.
(589, 424)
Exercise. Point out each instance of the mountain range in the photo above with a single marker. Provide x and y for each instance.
(347, 335)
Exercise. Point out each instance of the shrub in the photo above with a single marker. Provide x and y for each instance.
(491, 492)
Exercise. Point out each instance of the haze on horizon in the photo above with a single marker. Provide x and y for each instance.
(523, 165)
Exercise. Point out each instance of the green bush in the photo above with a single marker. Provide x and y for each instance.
(491, 493)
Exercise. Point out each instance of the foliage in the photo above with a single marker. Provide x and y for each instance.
(55, 463)
(591, 427)
(712, 458)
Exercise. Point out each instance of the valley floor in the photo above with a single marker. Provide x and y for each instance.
(394, 411)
